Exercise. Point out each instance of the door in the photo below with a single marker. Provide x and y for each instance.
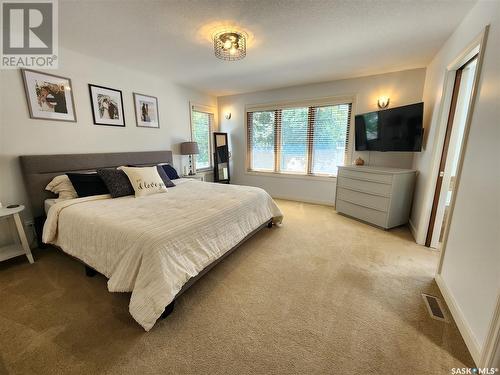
(452, 149)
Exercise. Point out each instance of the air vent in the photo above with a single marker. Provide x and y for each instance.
(434, 307)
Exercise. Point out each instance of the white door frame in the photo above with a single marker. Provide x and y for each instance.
(492, 340)
(451, 70)
(483, 356)
(454, 144)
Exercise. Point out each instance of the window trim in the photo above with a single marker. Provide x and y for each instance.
(317, 177)
(211, 110)
(325, 101)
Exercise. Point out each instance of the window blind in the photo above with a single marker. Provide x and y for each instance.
(262, 140)
(330, 138)
(293, 130)
(202, 125)
(308, 140)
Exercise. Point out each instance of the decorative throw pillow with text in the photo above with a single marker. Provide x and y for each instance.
(145, 180)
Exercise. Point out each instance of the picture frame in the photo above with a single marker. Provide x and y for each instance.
(146, 111)
(49, 96)
(107, 106)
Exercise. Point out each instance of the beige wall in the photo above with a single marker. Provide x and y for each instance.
(471, 266)
(496, 358)
(403, 87)
(20, 135)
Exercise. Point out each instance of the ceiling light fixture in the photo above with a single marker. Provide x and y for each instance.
(230, 45)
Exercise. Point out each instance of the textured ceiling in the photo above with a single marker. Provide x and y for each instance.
(291, 42)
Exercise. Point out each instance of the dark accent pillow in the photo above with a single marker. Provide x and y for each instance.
(87, 184)
(116, 181)
(170, 171)
(164, 176)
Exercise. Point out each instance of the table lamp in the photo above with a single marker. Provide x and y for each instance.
(190, 148)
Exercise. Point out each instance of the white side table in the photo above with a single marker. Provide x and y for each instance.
(200, 177)
(15, 249)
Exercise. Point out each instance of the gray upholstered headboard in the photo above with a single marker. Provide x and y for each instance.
(39, 170)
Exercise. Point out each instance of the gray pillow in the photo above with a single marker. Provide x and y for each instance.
(116, 181)
(164, 177)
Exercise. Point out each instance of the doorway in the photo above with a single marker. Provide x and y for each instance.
(452, 150)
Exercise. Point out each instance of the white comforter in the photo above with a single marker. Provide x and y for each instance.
(151, 246)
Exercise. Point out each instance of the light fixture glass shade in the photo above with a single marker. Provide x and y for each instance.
(230, 45)
(383, 102)
(189, 148)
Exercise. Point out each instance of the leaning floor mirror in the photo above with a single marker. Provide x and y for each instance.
(221, 158)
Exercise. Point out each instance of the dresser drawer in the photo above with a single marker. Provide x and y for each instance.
(361, 175)
(375, 202)
(362, 213)
(365, 186)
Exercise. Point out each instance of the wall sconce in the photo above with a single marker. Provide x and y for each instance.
(383, 102)
(227, 115)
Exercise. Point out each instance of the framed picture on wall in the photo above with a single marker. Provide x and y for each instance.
(107, 106)
(49, 97)
(146, 111)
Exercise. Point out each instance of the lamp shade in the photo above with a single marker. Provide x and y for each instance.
(189, 148)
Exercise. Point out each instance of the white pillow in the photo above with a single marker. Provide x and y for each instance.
(62, 186)
(145, 180)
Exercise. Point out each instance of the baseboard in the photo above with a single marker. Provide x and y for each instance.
(295, 199)
(459, 318)
(492, 340)
(412, 229)
(418, 237)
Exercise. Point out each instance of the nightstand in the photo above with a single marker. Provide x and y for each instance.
(199, 177)
(15, 249)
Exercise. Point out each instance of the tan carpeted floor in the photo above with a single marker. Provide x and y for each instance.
(323, 294)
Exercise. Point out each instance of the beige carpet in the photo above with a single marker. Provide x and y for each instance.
(323, 294)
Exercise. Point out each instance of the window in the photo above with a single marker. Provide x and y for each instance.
(201, 127)
(293, 151)
(307, 140)
(330, 138)
(262, 140)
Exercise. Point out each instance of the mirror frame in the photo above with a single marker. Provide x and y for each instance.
(216, 160)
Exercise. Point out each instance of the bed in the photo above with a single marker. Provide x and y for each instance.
(155, 246)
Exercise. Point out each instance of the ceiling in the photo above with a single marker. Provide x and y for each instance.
(291, 41)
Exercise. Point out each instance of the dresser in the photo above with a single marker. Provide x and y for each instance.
(378, 195)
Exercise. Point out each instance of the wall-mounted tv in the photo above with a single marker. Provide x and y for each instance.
(395, 129)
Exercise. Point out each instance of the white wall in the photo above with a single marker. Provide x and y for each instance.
(471, 265)
(20, 135)
(403, 87)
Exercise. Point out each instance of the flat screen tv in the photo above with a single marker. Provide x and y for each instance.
(395, 129)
